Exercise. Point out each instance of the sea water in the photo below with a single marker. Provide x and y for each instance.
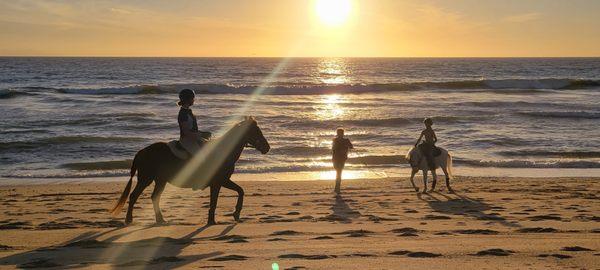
(87, 117)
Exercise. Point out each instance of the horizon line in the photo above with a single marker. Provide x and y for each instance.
(407, 57)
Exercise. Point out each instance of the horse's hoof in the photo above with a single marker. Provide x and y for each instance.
(451, 191)
(161, 222)
(417, 190)
(128, 221)
(236, 216)
(210, 223)
(424, 191)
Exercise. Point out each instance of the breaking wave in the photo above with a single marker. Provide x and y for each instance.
(314, 89)
(527, 163)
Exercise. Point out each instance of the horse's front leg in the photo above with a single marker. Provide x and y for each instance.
(434, 175)
(159, 187)
(214, 196)
(240, 200)
(424, 180)
(412, 176)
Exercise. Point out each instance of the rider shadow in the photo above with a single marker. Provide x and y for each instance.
(86, 250)
(342, 212)
(465, 206)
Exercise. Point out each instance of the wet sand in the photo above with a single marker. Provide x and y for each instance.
(489, 223)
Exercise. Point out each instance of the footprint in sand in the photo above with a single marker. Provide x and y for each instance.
(230, 258)
(476, 231)
(545, 217)
(286, 232)
(276, 239)
(356, 233)
(576, 248)
(559, 256)
(436, 217)
(306, 257)
(405, 230)
(234, 238)
(537, 230)
(417, 254)
(494, 252)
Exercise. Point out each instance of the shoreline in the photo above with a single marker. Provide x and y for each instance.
(349, 175)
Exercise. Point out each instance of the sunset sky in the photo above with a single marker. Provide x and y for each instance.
(353, 28)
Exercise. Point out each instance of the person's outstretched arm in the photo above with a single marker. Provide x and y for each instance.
(419, 139)
(350, 146)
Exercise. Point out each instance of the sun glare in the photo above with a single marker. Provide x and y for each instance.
(333, 12)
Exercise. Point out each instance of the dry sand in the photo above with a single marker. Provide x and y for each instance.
(489, 223)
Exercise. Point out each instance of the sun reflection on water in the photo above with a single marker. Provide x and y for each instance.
(329, 107)
(333, 71)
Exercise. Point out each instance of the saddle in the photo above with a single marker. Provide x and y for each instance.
(178, 150)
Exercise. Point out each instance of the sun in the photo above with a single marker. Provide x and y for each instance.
(333, 12)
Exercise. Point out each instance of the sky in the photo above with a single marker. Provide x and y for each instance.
(298, 28)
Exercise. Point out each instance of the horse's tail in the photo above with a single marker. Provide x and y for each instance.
(449, 165)
(121, 202)
(408, 155)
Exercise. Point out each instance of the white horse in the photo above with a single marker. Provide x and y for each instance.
(417, 162)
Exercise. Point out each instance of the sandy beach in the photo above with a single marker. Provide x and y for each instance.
(490, 223)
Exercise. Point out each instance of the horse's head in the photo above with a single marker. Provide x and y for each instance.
(254, 136)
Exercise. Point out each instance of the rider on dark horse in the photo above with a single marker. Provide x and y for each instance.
(190, 138)
(428, 146)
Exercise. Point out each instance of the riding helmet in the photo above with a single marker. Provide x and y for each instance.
(186, 94)
(428, 121)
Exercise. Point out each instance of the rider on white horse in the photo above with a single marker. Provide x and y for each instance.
(435, 157)
(428, 145)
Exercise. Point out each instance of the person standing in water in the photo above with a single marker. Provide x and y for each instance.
(428, 145)
(190, 138)
(340, 149)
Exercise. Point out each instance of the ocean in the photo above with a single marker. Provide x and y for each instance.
(87, 117)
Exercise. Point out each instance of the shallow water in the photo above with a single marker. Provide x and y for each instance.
(63, 115)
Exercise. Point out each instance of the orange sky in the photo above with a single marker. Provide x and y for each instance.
(374, 28)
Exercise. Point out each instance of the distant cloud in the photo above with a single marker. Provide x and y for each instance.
(525, 17)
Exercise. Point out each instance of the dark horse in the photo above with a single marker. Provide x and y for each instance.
(212, 166)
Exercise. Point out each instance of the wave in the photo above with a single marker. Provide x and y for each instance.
(82, 174)
(378, 160)
(64, 140)
(313, 89)
(527, 163)
(8, 93)
(99, 165)
(564, 114)
(373, 122)
(301, 151)
(552, 154)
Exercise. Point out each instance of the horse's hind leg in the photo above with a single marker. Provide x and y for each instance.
(240, 200)
(412, 176)
(142, 183)
(447, 179)
(159, 187)
(214, 196)
(424, 180)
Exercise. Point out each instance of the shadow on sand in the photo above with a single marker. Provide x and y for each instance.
(341, 211)
(456, 204)
(86, 250)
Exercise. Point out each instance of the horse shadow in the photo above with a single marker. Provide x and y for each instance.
(342, 212)
(85, 250)
(465, 206)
